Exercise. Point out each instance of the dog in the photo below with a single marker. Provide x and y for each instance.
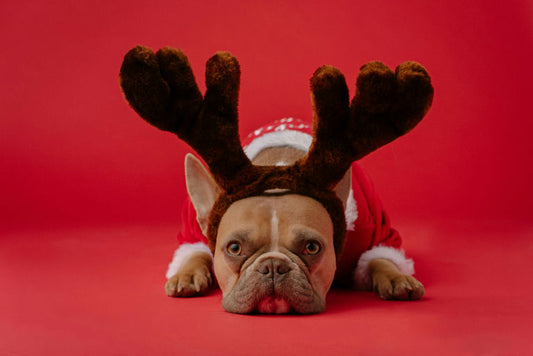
(280, 219)
(273, 276)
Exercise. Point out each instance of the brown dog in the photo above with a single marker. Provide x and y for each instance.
(275, 221)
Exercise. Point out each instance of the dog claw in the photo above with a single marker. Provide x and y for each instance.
(197, 286)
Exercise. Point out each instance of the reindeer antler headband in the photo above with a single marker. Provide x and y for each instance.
(161, 88)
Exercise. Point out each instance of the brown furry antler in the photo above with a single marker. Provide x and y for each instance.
(386, 105)
(162, 89)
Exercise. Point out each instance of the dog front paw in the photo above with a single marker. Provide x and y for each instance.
(397, 287)
(189, 282)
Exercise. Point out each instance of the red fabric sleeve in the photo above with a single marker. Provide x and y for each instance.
(371, 228)
(384, 233)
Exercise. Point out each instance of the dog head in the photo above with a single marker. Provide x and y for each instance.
(274, 252)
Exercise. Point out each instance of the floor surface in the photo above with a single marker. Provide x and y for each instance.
(99, 291)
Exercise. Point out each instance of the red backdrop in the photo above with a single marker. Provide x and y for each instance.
(74, 152)
(76, 160)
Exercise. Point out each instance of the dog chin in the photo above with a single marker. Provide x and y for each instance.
(273, 305)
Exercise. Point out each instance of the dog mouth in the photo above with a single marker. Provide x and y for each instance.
(293, 297)
(273, 305)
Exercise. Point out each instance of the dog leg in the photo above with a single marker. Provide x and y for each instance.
(390, 283)
(193, 278)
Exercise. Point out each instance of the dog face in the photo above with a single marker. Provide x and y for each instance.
(274, 253)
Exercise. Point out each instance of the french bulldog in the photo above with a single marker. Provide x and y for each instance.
(274, 252)
(280, 219)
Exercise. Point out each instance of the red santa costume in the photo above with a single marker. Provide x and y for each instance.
(369, 232)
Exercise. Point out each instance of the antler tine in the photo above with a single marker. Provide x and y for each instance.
(217, 132)
(160, 87)
(328, 159)
(163, 91)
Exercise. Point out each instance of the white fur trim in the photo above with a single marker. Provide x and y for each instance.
(362, 276)
(350, 212)
(183, 253)
(296, 139)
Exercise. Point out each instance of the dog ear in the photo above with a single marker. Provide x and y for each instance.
(343, 188)
(202, 189)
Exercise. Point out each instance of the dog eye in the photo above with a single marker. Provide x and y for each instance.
(234, 248)
(312, 248)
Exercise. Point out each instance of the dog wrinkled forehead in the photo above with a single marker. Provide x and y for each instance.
(281, 184)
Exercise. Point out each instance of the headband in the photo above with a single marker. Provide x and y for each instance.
(162, 89)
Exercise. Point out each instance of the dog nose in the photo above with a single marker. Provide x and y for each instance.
(274, 266)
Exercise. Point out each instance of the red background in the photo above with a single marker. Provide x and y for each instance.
(86, 185)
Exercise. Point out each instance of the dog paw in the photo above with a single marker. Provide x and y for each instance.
(189, 283)
(399, 287)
